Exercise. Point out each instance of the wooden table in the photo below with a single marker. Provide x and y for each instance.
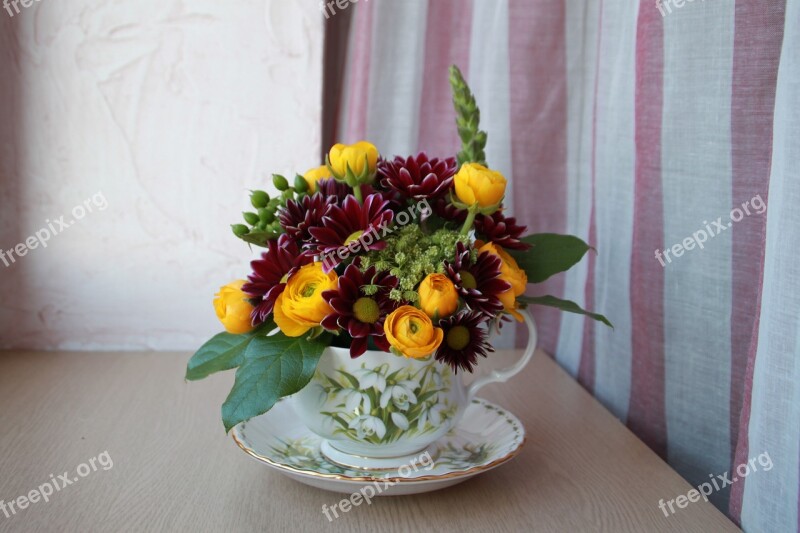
(174, 469)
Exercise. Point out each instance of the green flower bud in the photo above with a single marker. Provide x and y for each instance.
(287, 194)
(262, 226)
(273, 204)
(300, 184)
(240, 230)
(280, 182)
(259, 199)
(266, 215)
(251, 218)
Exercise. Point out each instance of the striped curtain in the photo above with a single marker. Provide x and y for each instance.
(658, 132)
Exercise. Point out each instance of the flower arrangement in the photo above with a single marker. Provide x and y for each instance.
(412, 255)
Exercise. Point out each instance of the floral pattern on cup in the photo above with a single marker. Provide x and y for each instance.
(379, 407)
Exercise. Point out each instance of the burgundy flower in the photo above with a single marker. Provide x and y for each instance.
(417, 176)
(299, 215)
(501, 231)
(448, 212)
(360, 305)
(270, 272)
(336, 190)
(478, 282)
(464, 340)
(347, 223)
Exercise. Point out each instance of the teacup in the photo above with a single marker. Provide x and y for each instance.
(381, 410)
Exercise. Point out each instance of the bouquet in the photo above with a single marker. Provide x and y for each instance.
(411, 255)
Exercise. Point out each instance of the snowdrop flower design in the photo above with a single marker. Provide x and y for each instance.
(434, 414)
(368, 378)
(354, 399)
(401, 395)
(367, 426)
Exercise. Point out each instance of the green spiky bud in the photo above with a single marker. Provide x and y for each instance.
(259, 199)
(240, 230)
(266, 215)
(251, 218)
(300, 184)
(280, 182)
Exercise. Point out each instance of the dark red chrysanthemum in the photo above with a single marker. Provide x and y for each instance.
(299, 215)
(347, 223)
(448, 212)
(330, 188)
(270, 272)
(360, 305)
(478, 282)
(417, 176)
(464, 340)
(501, 231)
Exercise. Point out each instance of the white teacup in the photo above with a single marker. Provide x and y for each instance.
(382, 410)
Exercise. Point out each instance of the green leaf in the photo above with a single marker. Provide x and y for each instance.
(259, 238)
(549, 254)
(274, 367)
(223, 352)
(564, 305)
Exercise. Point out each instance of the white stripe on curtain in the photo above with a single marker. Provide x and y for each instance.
(488, 77)
(770, 498)
(398, 39)
(697, 183)
(614, 187)
(581, 40)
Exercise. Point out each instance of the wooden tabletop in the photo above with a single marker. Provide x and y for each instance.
(174, 469)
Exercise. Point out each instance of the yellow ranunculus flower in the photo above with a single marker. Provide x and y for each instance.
(233, 308)
(437, 294)
(510, 272)
(477, 184)
(411, 332)
(300, 306)
(314, 175)
(356, 156)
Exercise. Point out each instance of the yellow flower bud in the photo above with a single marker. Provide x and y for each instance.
(300, 306)
(411, 332)
(477, 184)
(510, 272)
(233, 308)
(438, 296)
(361, 157)
(314, 175)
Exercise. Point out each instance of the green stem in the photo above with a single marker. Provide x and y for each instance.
(471, 214)
(358, 194)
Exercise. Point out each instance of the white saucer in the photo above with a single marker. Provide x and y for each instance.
(486, 437)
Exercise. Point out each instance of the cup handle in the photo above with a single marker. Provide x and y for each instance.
(500, 376)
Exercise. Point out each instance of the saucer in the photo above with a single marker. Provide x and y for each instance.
(486, 437)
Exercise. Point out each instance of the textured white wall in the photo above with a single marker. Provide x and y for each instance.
(171, 110)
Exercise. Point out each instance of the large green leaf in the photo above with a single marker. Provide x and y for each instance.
(223, 352)
(549, 254)
(273, 367)
(564, 305)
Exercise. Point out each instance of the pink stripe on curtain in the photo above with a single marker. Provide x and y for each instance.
(537, 59)
(447, 42)
(646, 414)
(358, 85)
(586, 368)
(756, 57)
